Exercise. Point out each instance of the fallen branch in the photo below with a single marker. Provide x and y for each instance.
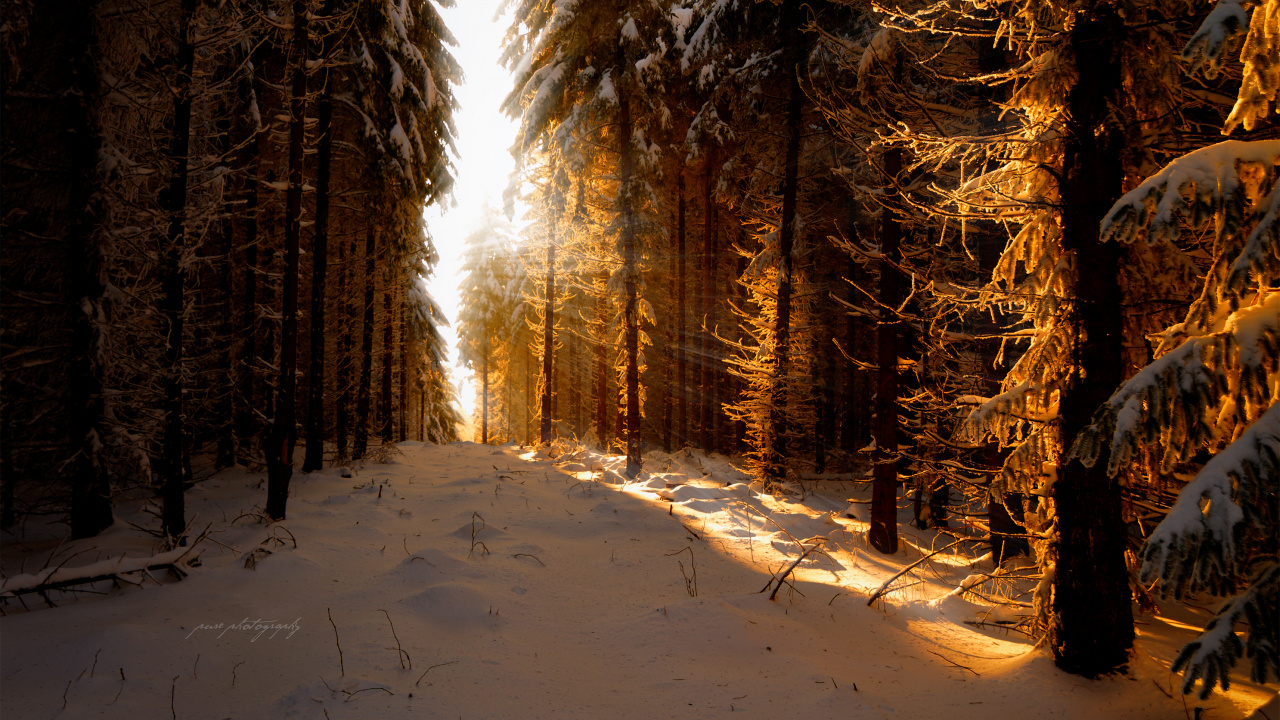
(403, 656)
(953, 662)
(779, 579)
(342, 669)
(57, 578)
(433, 667)
(908, 569)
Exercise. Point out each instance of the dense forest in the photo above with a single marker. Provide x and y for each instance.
(996, 260)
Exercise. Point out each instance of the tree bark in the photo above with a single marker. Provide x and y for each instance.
(90, 488)
(776, 467)
(484, 398)
(631, 273)
(707, 299)
(245, 422)
(548, 343)
(314, 459)
(345, 369)
(602, 372)
(682, 393)
(1092, 628)
(174, 281)
(360, 444)
(388, 364)
(404, 370)
(884, 485)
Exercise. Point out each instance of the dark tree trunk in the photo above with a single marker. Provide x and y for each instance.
(528, 395)
(484, 399)
(682, 392)
(404, 372)
(78, 143)
(360, 445)
(548, 343)
(245, 423)
(776, 468)
(346, 369)
(388, 365)
(884, 485)
(314, 458)
(174, 281)
(707, 311)
(602, 371)
(284, 432)
(631, 273)
(1092, 628)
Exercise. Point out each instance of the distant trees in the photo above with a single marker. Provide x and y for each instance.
(184, 173)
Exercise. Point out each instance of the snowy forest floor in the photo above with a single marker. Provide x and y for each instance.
(470, 581)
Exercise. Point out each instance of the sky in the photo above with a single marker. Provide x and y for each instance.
(483, 163)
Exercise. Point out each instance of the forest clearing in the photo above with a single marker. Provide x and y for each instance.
(517, 587)
(961, 318)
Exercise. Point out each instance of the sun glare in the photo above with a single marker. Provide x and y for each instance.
(482, 165)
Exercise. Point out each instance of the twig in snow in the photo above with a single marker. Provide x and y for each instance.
(233, 672)
(351, 695)
(342, 669)
(117, 697)
(781, 578)
(953, 662)
(908, 569)
(64, 694)
(433, 667)
(173, 687)
(690, 583)
(484, 549)
(535, 557)
(95, 662)
(403, 656)
(196, 667)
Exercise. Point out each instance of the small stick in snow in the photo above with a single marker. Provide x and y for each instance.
(403, 656)
(953, 662)
(196, 667)
(782, 578)
(342, 669)
(64, 694)
(474, 530)
(535, 557)
(95, 662)
(690, 583)
(433, 667)
(173, 687)
(233, 672)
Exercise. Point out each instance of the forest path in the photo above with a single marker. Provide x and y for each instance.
(519, 589)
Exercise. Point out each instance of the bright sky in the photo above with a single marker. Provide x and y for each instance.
(483, 164)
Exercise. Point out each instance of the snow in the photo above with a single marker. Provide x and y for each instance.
(475, 581)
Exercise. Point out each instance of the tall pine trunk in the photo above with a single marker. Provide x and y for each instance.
(404, 372)
(548, 342)
(484, 398)
(388, 364)
(90, 489)
(602, 370)
(1092, 627)
(245, 422)
(707, 309)
(345, 369)
(883, 533)
(174, 282)
(314, 459)
(631, 275)
(360, 445)
(776, 467)
(284, 433)
(682, 392)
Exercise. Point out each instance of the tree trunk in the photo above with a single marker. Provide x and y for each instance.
(314, 459)
(1092, 627)
(404, 370)
(174, 281)
(884, 485)
(682, 392)
(631, 274)
(602, 371)
(388, 364)
(484, 399)
(776, 466)
(548, 343)
(245, 423)
(345, 370)
(90, 488)
(707, 299)
(360, 445)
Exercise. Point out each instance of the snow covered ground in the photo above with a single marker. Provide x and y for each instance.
(468, 581)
